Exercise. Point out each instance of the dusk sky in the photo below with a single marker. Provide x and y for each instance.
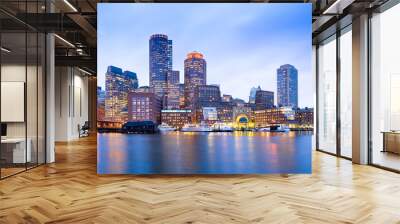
(243, 44)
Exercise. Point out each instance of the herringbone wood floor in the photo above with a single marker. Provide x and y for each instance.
(70, 191)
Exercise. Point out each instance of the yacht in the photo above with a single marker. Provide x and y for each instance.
(165, 127)
(196, 128)
(264, 129)
(275, 128)
(221, 127)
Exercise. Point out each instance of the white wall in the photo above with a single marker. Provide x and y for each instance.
(71, 102)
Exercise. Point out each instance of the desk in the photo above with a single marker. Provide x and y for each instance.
(391, 141)
(15, 148)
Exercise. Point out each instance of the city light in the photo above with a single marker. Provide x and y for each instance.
(194, 104)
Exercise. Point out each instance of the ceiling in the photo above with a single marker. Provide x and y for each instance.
(75, 22)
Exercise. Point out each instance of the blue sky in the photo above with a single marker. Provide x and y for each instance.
(243, 44)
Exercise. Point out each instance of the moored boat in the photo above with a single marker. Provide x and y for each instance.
(196, 128)
(221, 127)
(274, 128)
(165, 128)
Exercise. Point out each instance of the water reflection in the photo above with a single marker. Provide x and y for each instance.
(204, 153)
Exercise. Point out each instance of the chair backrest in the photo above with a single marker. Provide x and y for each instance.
(86, 125)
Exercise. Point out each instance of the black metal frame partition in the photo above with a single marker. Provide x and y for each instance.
(387, 5)
(29, 29)
(338, 33)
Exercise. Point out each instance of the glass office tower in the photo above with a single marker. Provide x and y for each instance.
(287, 86)
(118, 86)
(172, 90)
(160, 62)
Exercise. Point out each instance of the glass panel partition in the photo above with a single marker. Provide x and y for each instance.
(13, 91)
(346, 93)
(22, 77)
(385, 89)
(327, 95)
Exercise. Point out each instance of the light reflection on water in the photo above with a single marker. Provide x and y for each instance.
(204, 153)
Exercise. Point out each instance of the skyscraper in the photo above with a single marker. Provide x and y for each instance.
(118, 85)
(101, 97)
(264, 99)
(207, 96)
(195, 75)
(131, 79)
(252, 97)
(172, 90)
(287, 86)
(170, 55)
(160, 55)
(181, 95)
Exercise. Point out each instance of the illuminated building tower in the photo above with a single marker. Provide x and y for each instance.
(195, 75)
(252, 97)
(287, 86)
(207, 96)
(101, 97)
(160, 62)
(225, 112)
(170, 55)
(131, 79)
(264, 99)
(118, 86)
(172, 90)
(181, 95)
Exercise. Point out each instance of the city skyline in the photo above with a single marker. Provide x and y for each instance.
(264, 73)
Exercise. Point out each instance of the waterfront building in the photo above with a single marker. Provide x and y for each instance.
(176, 118)
(207, 96)
(195, 75)
(287, 84)
(253, 91)
(160, 62)
(210, 114)
(173, 94)
(243, 117)
(274, 116)
(304, 117)
(108, 126)
(118, 86)
(144, 106)
(264, 99)
(225, 112)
